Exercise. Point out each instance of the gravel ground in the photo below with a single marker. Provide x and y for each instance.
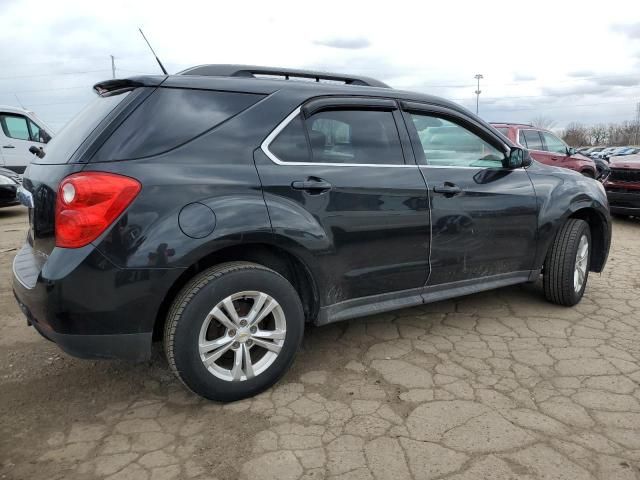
(499, 385)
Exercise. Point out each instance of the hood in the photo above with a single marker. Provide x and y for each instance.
(9, 173)
(580, 156)
(631, 162)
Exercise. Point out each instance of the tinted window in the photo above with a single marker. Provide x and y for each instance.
(521, 140)
(504, 131)
(169, 118)
(15, 126)
(554, 144)
(291, 144)
(534, 142)
(355, 136)
(62, 147)
(446, 143)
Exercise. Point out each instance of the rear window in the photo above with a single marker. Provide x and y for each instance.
(169, 118)
(504, 131)
(533, 139)
(63, 145)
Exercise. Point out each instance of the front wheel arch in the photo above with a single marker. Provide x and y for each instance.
(598, 226)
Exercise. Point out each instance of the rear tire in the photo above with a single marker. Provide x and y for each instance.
(233, 331)
(566, 268)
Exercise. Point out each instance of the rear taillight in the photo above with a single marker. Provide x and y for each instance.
(87, 203)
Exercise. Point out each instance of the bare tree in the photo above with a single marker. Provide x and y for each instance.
(598, 134)
(576, 135)
(543, 122)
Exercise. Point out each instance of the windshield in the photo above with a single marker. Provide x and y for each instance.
(62, 147)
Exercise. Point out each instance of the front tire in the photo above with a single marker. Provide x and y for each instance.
(566, 268)
(233, 331)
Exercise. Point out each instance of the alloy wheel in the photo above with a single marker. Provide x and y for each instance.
(242, 336)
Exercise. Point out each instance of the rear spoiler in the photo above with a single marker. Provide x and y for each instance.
(117, 85)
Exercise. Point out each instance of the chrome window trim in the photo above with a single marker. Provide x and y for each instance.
(276, 131)
(264, 146)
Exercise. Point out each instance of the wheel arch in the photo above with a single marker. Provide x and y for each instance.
(598, 226)
(275, 257)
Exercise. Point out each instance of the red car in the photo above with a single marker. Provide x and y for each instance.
(546, 148)
(623, 185)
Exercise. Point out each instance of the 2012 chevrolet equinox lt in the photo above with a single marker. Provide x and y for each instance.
(219, 210)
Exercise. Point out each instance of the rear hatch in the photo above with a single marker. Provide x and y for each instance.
(69, 151)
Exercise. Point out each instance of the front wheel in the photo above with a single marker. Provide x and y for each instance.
(233, 331)
(566, 267)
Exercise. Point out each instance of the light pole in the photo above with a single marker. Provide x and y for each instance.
(478, 91)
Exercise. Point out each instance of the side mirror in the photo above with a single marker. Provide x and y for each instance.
(571, 151)
(516, 158)
(37, 151)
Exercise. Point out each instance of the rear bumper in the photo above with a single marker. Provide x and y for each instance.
(90, 308)
(128, 346)
(624, 202)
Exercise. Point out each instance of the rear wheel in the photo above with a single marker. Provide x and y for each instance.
(587, 173)
(566, 267)
(233, 331)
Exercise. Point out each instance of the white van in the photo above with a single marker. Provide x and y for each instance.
(20, 129)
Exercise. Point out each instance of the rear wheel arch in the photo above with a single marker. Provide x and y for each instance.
(280, 260)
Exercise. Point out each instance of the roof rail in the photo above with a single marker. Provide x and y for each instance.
(512, 123)
(251, 71)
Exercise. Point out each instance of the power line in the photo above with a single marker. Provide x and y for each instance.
(560, 106)
(52, 74)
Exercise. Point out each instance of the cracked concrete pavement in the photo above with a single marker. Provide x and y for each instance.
(499, 385)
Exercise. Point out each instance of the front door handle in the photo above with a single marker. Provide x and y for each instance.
(311, 184)
(448, 189)
(8, 146)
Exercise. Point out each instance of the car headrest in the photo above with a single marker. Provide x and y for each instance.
(318, 140)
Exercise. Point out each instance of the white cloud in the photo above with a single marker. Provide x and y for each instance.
(528, 69)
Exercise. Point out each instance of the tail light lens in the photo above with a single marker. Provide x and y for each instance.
(87, 203)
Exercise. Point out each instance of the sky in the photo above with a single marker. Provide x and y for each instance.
(564, 60)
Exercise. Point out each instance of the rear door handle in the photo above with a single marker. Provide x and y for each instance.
(316, 185)
(8, 146)
(449, 189)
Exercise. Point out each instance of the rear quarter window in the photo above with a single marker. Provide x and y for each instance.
(170, 117)
(64, 144)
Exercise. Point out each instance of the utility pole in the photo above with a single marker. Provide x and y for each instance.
(478, 92)
(637, 136)
(113, 65)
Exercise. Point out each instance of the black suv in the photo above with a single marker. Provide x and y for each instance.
(220, 209)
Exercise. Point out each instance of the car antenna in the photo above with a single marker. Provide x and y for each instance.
(164, 70)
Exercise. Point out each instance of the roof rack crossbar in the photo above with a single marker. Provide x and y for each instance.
(222, 70)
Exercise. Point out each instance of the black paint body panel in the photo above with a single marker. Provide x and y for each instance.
(381, 238)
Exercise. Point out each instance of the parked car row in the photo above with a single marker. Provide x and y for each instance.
(623, 185)
(545, 147)
(606, 152)
(619, 169)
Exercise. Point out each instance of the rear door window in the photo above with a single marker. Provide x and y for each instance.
(170, 117)
(356, 137)
(534, 141)
(291, 144)
(521, 140)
